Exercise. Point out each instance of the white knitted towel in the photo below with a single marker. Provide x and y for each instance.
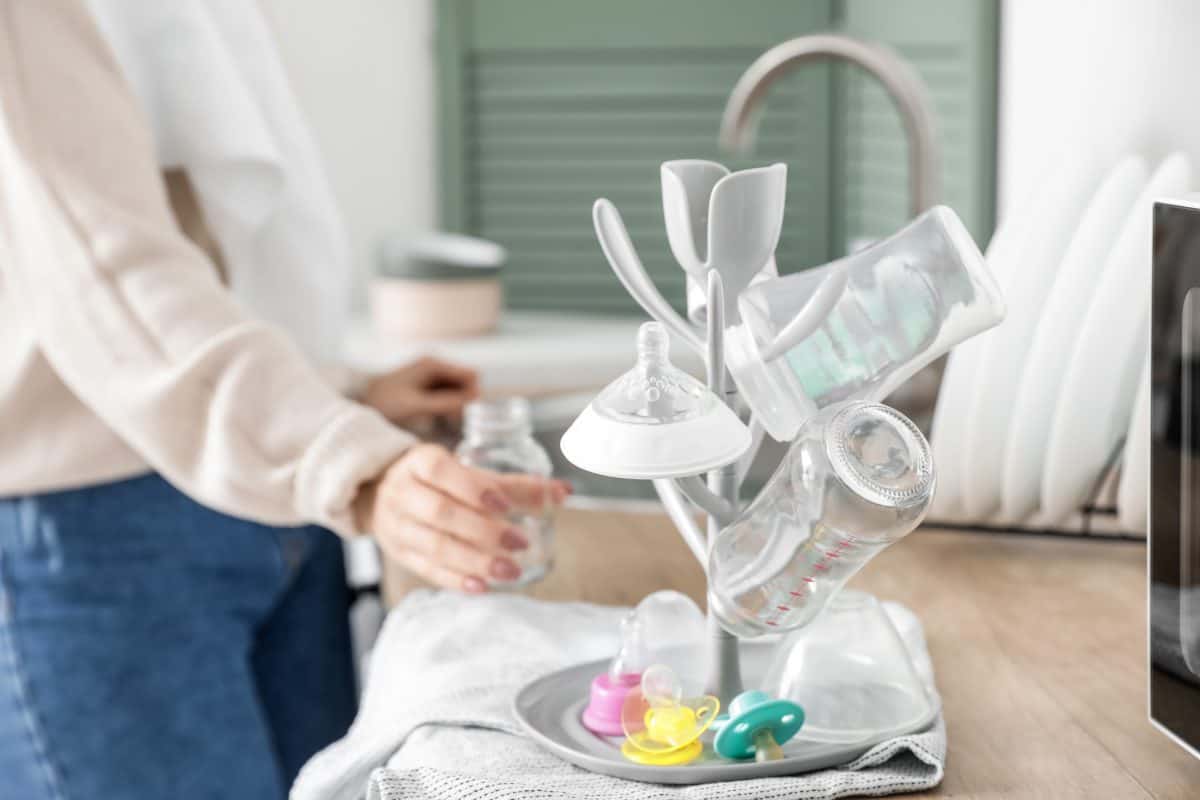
(436, 723)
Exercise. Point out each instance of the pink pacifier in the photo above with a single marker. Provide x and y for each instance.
(663, 624)
(662, 728)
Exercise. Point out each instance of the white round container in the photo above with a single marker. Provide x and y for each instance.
(416, 308)
(437, 286)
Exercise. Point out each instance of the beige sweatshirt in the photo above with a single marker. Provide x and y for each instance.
(120, 350)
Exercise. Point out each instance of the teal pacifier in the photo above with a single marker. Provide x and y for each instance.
(757, 727)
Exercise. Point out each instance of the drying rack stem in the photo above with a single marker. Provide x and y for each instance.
(719, 497)
(724, 663)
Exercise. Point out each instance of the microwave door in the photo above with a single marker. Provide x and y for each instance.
(1189, 538)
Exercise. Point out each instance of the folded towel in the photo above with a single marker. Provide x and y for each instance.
(436, 719)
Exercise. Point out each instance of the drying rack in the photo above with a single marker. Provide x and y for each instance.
(550, 707)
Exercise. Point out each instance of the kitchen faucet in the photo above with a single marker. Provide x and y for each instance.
(898, 77)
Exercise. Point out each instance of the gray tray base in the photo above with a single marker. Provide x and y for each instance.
(549, 709)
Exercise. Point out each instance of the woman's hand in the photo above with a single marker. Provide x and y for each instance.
(425, 389)
(447, 522)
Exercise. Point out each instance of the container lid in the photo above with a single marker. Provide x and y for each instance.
(437, 271)
(441, 256)
(655, 421)
(455, 248)
(880, 455)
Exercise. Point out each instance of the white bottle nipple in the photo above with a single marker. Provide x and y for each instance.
(654, 391)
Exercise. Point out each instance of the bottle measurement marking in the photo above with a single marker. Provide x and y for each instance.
(828, 559)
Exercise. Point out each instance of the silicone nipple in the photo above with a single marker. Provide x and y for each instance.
(654, 391)
(661, 727)
(632, 657)
(765, 746)
(655, 421)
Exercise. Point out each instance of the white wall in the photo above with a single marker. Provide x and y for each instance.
(363, 73)
(1097, 78)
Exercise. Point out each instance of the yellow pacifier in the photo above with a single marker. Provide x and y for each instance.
(661, 727)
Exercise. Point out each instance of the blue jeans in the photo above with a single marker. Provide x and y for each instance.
(153, 648)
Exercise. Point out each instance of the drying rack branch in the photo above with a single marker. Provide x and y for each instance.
(706, 499)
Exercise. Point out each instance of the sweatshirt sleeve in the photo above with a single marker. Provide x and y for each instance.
(133, 317)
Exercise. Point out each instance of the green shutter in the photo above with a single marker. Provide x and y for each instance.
(550, 104)
(953, 47)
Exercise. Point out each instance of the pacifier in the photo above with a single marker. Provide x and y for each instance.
(662, 628)
(662, 728)
(757, 727)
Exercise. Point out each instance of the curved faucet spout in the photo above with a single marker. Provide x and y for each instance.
(901, 81)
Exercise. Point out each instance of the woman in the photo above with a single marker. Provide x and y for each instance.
(168, 466)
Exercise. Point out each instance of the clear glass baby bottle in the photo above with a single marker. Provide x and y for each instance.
(859, 327)
(498, 435)
(858, 478)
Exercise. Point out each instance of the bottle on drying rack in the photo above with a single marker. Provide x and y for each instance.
(858, 478)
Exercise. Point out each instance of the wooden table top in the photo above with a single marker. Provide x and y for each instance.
(1038, 645)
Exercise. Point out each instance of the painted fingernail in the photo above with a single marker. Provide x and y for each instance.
(567, 486)
(512, 540)
(494, 501)
(473, 585)
(504, 570)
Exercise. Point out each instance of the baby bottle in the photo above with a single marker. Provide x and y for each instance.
(498, 436)
(861, 326)
(858, 478)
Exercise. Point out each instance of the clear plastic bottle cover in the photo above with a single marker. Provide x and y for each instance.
(852, 673)
(498, 435)
(858, 478)
(907, 300)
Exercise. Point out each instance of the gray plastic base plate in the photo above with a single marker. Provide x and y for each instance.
(549, 709)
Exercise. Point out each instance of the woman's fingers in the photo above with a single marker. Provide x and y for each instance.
(440, 402)
(446, 521)
(439, 511)
(427, 387)
(434, 573)
(437, 374)
(491, 492)
(434, 466)
(443, 388)
(532, 492)
(450, 553)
